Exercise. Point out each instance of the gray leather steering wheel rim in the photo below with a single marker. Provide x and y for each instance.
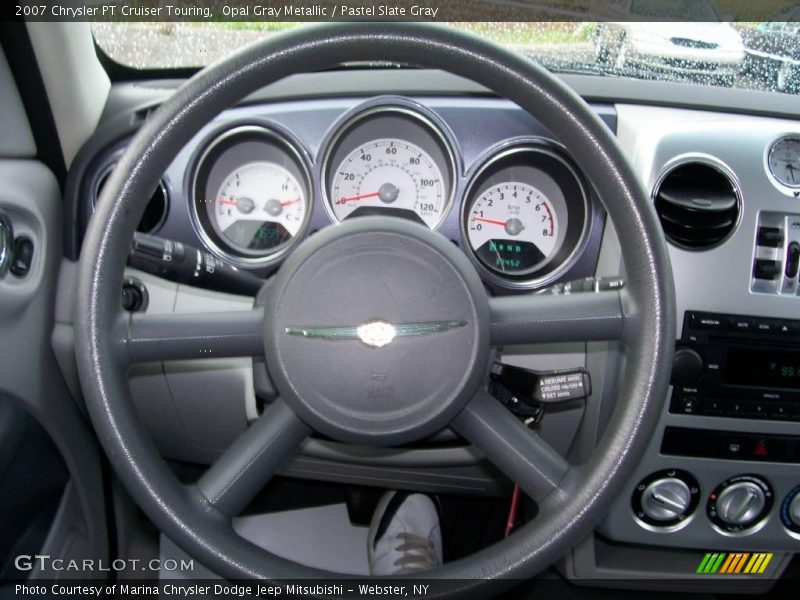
(581, 498)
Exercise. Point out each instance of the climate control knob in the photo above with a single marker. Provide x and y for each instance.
(665, 498)
(739, 503)
(790, 511)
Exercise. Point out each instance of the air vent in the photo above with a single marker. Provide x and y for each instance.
(698, 205)
(156, 211)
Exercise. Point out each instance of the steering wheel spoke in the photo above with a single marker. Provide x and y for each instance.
(534, 319)
(194, 335)
(252, 459)
(513, 448)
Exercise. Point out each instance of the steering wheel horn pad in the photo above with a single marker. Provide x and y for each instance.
(377, 331)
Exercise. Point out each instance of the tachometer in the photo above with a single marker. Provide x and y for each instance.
(389, 173)
(512, 227)
(525, 215)
(393, 158)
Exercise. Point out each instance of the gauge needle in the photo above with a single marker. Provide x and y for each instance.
(359, 197)
(227, 201)
(288, 202)
(492, 221)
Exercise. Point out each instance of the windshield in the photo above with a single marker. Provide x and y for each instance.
(696, 10)
(761, 55)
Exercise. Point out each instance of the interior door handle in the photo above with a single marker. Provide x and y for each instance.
(6, 245)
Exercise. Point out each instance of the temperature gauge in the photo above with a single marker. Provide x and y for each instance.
(251, 196)
(259, 206)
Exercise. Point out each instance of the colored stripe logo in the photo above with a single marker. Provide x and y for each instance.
(734, 563)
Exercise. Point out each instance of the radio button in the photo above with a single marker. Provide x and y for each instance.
(736, 408)
(784, 328)
(757, 408)
(686, 405)
(741, 324)
(706, 321)
(780, 410)
(765, 326)
(713, 407)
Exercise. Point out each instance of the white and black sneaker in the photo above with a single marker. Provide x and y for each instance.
(405, 535)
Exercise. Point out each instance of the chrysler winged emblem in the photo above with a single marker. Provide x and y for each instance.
(375, 333)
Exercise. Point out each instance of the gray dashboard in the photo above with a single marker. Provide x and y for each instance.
(194, 410)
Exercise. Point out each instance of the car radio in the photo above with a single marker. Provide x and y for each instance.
(737, 366)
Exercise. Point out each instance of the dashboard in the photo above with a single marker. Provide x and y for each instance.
(721, 470)
(256, 182)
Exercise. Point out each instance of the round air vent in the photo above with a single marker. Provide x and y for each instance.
(156, 211)
(698, 205)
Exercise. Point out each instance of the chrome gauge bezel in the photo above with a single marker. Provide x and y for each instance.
(408, 109)
(545, 275)
(789, 190)
(286, 142)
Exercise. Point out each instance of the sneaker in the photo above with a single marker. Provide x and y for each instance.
(405, 535)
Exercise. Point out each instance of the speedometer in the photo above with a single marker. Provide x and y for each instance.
(389, 173)
(392, 158)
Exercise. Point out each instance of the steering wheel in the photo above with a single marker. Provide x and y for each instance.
(376, 268)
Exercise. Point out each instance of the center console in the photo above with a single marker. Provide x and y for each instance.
(721, 473)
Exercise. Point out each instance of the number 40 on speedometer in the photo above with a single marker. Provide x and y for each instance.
(512, 228)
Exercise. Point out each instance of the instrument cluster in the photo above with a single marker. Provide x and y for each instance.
(522, 207)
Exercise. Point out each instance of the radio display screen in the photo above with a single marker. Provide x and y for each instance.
(767, 368)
